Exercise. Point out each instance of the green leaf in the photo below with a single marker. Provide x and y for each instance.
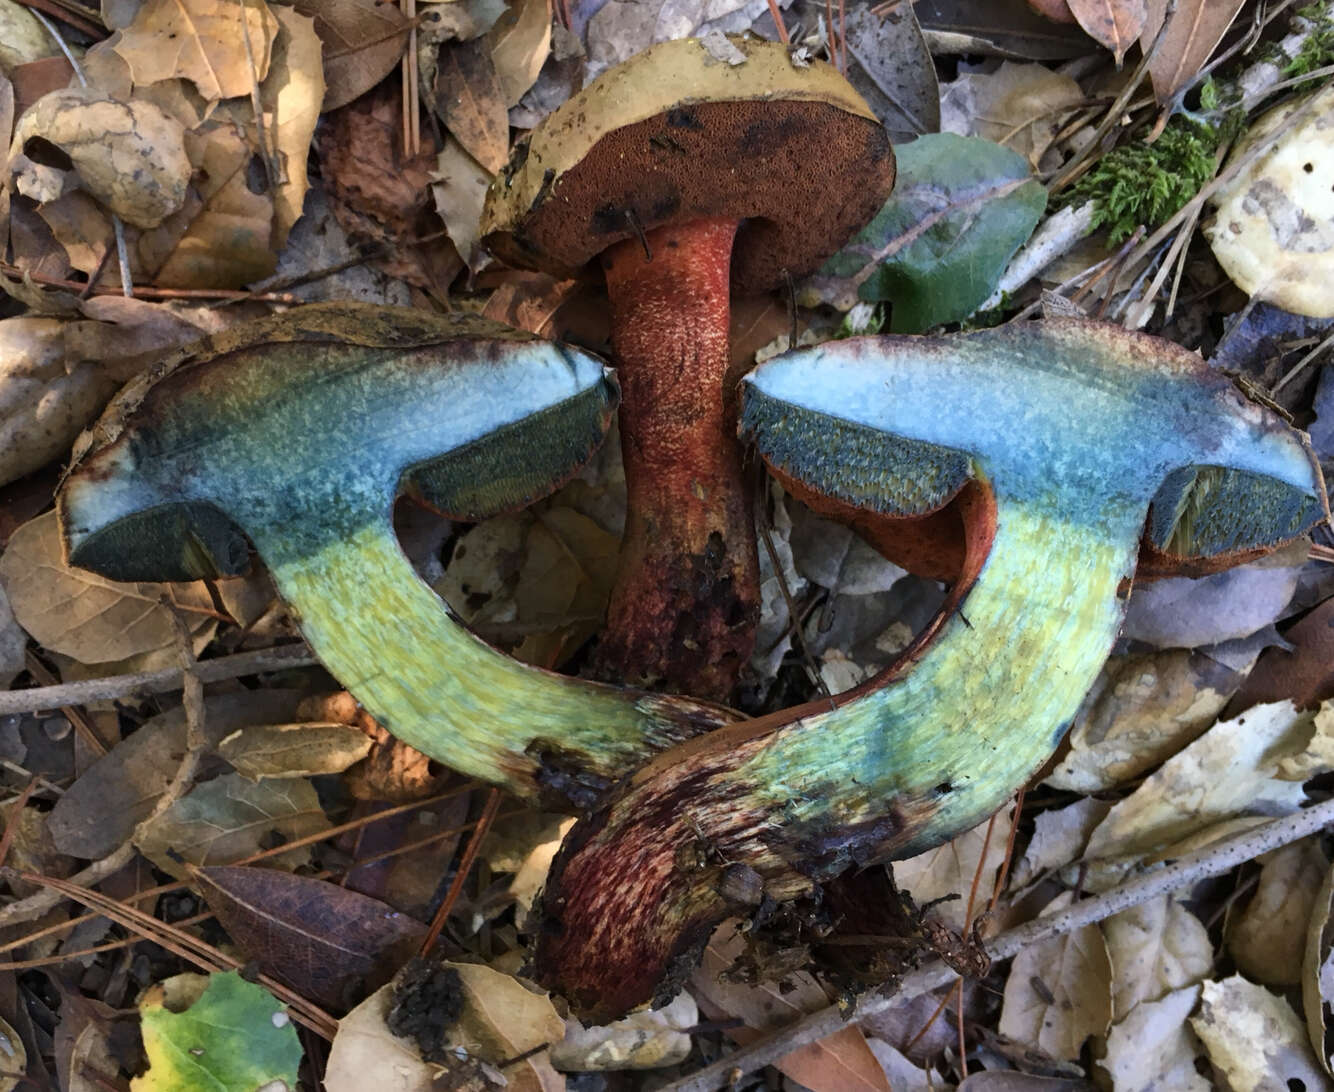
(235, 1037)
(961, 208)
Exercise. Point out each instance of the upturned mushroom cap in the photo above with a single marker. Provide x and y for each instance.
(162, 486)
(674, 135)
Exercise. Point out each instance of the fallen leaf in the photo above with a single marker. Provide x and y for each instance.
(1155, 948)
(900, 78)
(1058, 991)
(13, 642)
(1180, 612)
(290, 98)
(1111, 23)
(406, 880)
(294, 750)
(85, 1061)
(234, 1036)
(1303, 673)
(459, 190)
(1254, 1038)
(363, 42)
(13, 1058)
(129, 155)
(531, 875)
(1230, 770)
(101, 809)
(1006, 28)
(1154, 1047)
(83, 228)
(644, 1040)
(1059, 837)
(520, 42)
(1273, 226)
(838, 559)
(230, 817)
(949, 870)
(903, 1075)
(81, 614)
(840, 1063)
(502, 1019)
(471, 102)
(319, 938)
(1056, 10)
(960, 209)
(221, 46)
(363, 1045)
(1019, 106)
(621, 28)
(1268, 938)
(1143, 709)
(1196, 28)
(1318, 973)
(22, 37)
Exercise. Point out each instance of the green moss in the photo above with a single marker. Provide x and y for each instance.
(1146, 184)
(1317, 50)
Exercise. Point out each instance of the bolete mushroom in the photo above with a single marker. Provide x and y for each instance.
(1055, 439)
(298, 432)
(686, 173)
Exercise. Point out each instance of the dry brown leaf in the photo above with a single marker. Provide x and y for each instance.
(503, 1019)
(81, 614)
(1058, 11)
(230, 818)
(1112, 23)
(290, 98)
(1154, 948)
(1196, 28)
(363, 42)
(129, 155)
(1022, 106)
(13, 642)
(294, 750)
(1058, 992)
(1318, 974)
(22, 37)
(204, 41)
(1268, 937)
(1059, 837)
(520, 42)
(83, 228)
(471, 102)
(223, 238)
(1303, 674)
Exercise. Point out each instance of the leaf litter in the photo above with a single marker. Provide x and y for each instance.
(278, 167)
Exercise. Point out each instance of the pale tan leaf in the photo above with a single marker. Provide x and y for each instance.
(471, 102)
(459, 194)
(1268, 937)
(22, 37)
(650, 1039)
(1154, 948)
(82, 227)
(1112, 23)
(502, 1019)
(1318, 972)
(1022, 106)
(363, 41)
(1154, 1049)
(129, 155)
(1143, 710)
(1196, 28)
(203, 41)
(363, 1044)
(294, 750)
(1315, 755)
(81, 614)
(1058, 992)
(1228, 771)
(949, 869)
(520, 42)
(1059, 837)
(843, 1062)
(231, 817)
(531, 875)
(1255, 1039)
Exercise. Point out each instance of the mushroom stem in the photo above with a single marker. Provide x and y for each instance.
(686, 598)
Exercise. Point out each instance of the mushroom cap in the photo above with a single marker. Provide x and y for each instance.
(1224, 478)
(323, 405)
(1273, 231)
(674, 135)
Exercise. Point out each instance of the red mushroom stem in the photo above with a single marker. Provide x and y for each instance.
(686, 598)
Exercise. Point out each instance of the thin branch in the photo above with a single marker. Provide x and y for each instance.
(1158, 881)
(116, 687)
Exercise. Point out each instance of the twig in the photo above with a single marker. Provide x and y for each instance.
(76, 717)
(1158, 881)
(1297, 368)
(114, 687)
(465, 866)
(777, 16)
